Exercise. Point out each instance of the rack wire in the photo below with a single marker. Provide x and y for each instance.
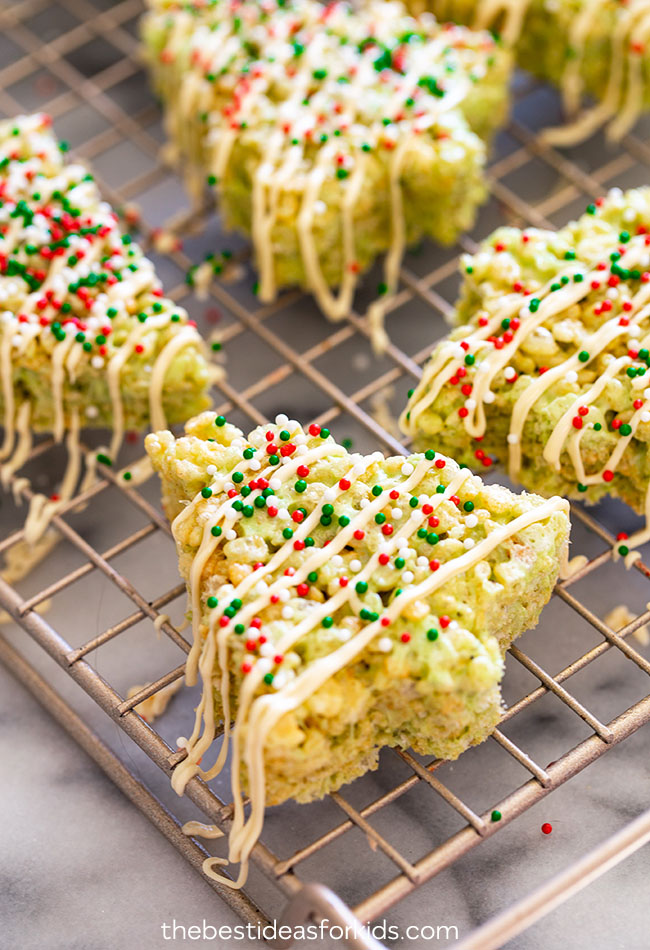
(78, 60)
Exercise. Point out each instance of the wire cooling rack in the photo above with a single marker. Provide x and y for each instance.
(414, 820)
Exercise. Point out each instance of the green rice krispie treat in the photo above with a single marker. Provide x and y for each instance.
(342, 603)
(597, 48)
(330, 135)
(547, 371)
(86, 336)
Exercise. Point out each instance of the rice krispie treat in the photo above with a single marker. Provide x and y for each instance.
(597, 48)
(330, 135)
(341, 603)
(86, 336)
(547, 368)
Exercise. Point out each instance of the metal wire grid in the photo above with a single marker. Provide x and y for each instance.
(57, 76)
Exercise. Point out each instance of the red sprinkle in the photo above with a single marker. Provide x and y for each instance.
(608, 475)
(405, 637)
(547, 828)
(445, 621)
(384, 559)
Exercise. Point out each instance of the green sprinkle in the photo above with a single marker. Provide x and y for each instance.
(285, 436)
(496, 815)
(260, 501)
(268, 678)
(399, 563)
(312, 577)
(327, 622)
(413, 502)
(422, 532)
(127, 476)
(432, 537)
(239, 628)
(569, 255)
(361, 587)
(328, 510)
(287, 533)
(324, 433)
(597, 426)
(300, 485)
(344, 521)
(104, 459)
(238, 477)
(206, 492)
(215, 531)
(212, 602)
(626, 429)
(624, 237)
(220, 421)
(429, 455)
(248, 454)
(469, 506)
(533, 306)
(581, 487)
(238, 505)
(440, 489)
(248, 511)
(583, 356)
(274, 460)
(470, 359)
(591, 209)
(432, 634)
(380, 518)
(376, 490)
(623, 549)
(325, 520)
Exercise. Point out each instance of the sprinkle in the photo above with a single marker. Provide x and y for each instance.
(547, 828)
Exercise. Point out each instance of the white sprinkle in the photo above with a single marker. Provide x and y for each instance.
(422, 561)
(645, 416)
(364, 502)
(470, 404)
(211, 469)
(510, 372)
(401, 542)
(275, 483)
(406, 469)
(264, 665)
(320, 207)
(284, 595)
(469, 543)
(571, 376)
(355, 565)
(396, 513)
(283, 514)
(92, 412)
(280, 680)
(336, 560)
(228, 486)
(513, 438)
(266, 649)
(181, 742)
(231, 534)
(281, 419)
(471, 521)
(302, 450)
(287, 613)
(488, 396)
(97, 362)
(407, 576)
(255, 465)
(385, 644)
(329, 494)
(343, 634)
(634, 330)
